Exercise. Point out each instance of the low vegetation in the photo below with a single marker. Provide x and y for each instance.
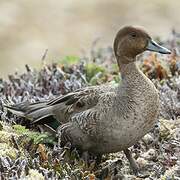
(28, 152)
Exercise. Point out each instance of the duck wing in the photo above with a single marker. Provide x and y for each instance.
(62, 107)
(84, 128)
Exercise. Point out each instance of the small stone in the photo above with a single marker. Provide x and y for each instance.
(148, 139)
(149, 155)
(141, 162)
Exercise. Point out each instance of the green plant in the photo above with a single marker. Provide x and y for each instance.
(35, 136)
(69, 60)
(92, 70)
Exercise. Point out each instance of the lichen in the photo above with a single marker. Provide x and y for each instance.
(34, 174)
(8, 150)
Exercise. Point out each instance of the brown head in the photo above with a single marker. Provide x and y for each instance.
(131, 41)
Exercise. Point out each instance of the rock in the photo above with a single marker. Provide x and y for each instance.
(149, 155)
(148, 139)
(141, 162)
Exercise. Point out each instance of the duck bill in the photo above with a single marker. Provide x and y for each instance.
(153, 46)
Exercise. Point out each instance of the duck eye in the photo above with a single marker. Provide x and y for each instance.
(133, 35)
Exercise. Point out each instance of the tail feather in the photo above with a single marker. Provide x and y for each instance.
(34, 112)
(26, 106)
(46, 112)
(15, 110)
(39, 113)
(34, 107)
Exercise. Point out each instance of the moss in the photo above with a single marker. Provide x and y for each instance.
(35, 136)
(20, 129)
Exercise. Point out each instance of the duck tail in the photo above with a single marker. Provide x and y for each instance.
(45, 112)
(34, 112)
(14, 110)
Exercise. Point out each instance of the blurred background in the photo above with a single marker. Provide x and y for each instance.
(68, 27)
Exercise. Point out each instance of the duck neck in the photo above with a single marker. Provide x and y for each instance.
(129, 69)
(131, 75)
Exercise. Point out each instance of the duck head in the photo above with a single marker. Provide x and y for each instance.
(131, 41)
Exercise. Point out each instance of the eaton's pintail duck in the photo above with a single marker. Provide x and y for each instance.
(105, 119)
